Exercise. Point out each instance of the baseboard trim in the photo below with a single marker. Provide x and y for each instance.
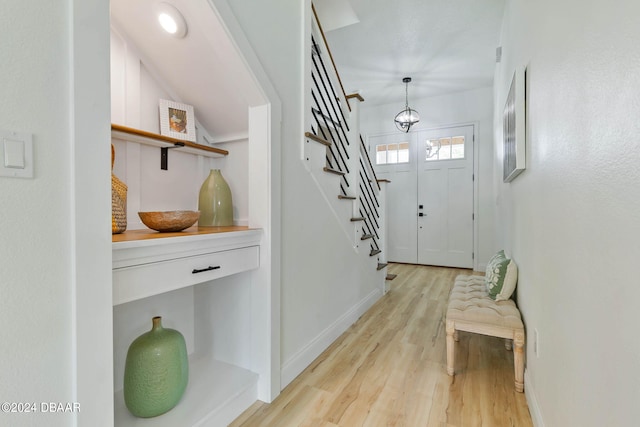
(532, 401)
(482, 267)
(303, 358)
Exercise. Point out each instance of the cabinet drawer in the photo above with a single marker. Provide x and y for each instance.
(141, 281)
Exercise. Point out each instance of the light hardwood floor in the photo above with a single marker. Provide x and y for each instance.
(389, 369)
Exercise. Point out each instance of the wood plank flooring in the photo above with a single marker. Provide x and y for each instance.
(389, 369)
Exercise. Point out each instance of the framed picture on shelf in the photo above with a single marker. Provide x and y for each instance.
(177, 120)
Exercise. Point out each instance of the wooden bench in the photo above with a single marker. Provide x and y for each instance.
(471, 309)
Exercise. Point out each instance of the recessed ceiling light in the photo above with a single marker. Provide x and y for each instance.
(171, 20)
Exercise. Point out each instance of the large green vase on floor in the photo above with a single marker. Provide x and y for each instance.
(156, 371)
(215, 203)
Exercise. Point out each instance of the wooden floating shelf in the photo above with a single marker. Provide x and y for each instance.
(149, 138)
(148, 234)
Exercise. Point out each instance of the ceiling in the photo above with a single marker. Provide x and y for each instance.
(445, 46)
(200, 69)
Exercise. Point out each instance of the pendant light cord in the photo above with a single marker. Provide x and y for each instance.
(406, 95)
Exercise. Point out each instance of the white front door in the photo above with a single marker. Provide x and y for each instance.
(429, 200)
(445, 198)
(398, 166)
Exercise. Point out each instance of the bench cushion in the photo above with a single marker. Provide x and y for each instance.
(470, 302)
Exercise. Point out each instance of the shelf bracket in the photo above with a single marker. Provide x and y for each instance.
(164, 155)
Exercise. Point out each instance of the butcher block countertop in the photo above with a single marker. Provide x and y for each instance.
(147, 234)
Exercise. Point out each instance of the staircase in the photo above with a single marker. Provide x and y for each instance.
(337, 159)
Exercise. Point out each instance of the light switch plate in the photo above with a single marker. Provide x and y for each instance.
(13, 153)
(16, 154)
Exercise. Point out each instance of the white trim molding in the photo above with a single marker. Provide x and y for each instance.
(532, 401)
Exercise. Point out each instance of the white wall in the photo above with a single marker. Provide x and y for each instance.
(35, 249)
(571, 219)
(54, 253)
(319, 283)
(475, 107)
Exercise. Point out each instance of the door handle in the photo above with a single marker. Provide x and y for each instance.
(421, 214)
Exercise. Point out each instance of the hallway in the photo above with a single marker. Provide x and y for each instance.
(389, 369)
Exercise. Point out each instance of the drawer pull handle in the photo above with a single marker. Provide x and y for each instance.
(196, 271)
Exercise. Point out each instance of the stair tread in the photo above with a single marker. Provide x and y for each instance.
(391, 276)
(357, 218)
(317, 139)
(340, 196)
(381, 265)
(375, 252)
(330, 170)
(366, 236)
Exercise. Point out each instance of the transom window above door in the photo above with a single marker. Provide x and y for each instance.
(392, 153)
(450, 148)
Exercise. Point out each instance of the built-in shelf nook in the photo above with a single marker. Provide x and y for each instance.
(212, 284)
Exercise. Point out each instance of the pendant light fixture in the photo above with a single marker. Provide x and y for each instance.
(407, 117)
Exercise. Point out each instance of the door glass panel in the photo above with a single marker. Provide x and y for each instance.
(381, 154)
(450, 148)
(457, 147)
(392, 153)
(403, 152)
(445, 149)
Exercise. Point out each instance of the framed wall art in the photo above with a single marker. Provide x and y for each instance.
(513, 128)
(177, 120)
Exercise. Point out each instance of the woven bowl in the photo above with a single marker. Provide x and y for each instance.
(168, 221)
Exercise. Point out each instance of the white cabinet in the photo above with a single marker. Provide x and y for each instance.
(143, 268)
(203, 279)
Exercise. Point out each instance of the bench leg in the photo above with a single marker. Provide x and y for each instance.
(451, 346)
(518, 360)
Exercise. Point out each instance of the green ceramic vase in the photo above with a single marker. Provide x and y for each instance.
(156, 371)
(215, 203)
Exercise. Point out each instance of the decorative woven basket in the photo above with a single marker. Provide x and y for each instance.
(118, 201)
